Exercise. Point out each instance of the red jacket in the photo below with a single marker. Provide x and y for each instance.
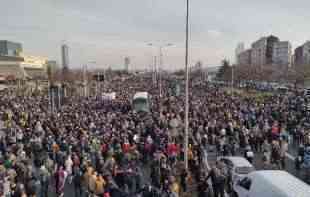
(126, 147)
(275, 129)
(172, 149)
(104, 148)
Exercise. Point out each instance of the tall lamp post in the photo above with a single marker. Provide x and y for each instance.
(160, 63)
(85, 80)
(186, 88)
(154, 70)
(232, 81)
(97, 80)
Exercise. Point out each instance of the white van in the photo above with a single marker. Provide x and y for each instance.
(271, 183)
(141, 102)
(237, 167)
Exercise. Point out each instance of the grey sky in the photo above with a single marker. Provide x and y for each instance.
(108, 30)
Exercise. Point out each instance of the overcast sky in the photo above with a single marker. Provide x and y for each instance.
(106, 31)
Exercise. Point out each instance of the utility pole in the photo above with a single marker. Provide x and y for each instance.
(232, 81)
(85, 80)
(53, 100)
(97, 84)
(160, 66)
(186, 88)
(59, 96)
(155, 71)
(49, 95)
(104, 80)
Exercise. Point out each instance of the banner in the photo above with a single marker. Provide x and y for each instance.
(109, 96)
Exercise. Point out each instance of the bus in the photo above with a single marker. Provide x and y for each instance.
(141, 102)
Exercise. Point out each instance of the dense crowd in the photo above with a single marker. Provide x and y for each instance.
(92, 146)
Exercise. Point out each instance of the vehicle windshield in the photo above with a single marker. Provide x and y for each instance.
(140, 104)
(244, 170)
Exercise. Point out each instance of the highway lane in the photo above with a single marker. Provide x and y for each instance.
(258, 163)
(208, 160)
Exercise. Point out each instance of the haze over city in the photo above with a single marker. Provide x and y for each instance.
(154, 98)
(106, 31)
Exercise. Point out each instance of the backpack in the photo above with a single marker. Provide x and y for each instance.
(77, 178)
(276, 153)
(219, 176)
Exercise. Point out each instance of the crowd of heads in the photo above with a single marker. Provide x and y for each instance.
(103, 147)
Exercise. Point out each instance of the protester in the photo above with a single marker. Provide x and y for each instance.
(105, 148)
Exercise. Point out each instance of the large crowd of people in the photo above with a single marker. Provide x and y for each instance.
(96, 147)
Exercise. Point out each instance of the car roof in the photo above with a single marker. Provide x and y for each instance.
(239, 161)
(281, 182)
(141, 95)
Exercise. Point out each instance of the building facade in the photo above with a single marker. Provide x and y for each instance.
(10, 67)
(302, 55)
(34, 62)
(258, 54)
(35, 66)
(8, 48)
(23, 67)
(298, 56)
(271, 41)
(211, 72)
(282, 53)
(239, 49)
(65, 56)
(306, 53)
(127, 62)
(52, 64)
(244, 58)
(262, 51)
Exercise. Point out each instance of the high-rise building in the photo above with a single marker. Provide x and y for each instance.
(52, 65)
(262, 50)
(239, 49)
(271, 40)
(298, 56)
(259, 49)
(302, 54)
(65, 62)
(282, 53)
(244, 58)
(8, 48)
(306, 53)
(65, 56)
(127, 62)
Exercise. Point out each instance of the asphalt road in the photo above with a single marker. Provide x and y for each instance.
(209, 161)
(69, 188)
(258, 164)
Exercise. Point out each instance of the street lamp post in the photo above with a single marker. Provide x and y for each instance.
(85, 80)
(160, 64)
(232, 81)
(96, 80)
(186, 88)
(154, 71)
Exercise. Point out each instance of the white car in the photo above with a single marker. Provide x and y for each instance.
(237, 168)
(271, 183)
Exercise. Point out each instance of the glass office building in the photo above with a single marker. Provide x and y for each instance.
(8, 48)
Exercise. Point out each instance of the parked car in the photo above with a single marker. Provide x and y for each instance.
(270, 183)
(237, 168)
